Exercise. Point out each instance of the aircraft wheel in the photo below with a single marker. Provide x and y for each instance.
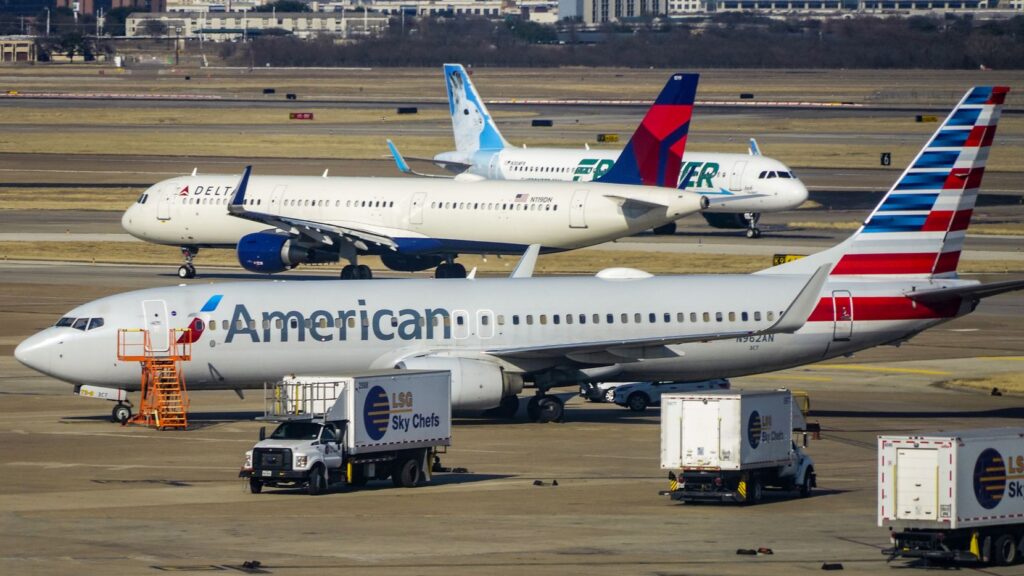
(121, 413)
(457, 271)
(348, 272)
(757, 232)
(509, 407)
(441, 271)
(751, 232)
(665, 230)
(186, 271)
(363, 272)
(550, 409)
(532, 410)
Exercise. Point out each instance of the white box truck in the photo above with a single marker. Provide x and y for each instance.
(379, 425)
(729, 446)
(953, 496)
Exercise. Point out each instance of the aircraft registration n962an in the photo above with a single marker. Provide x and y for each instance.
(739, 186)
(893, 278)
(279, 222)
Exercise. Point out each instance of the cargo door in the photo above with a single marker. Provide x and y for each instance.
(701, 426)
(163, 209)
(842, 307)
(577, 211)
(736, 178)
(917, 484)
(277, 198)
(155, 314)
(416, 208)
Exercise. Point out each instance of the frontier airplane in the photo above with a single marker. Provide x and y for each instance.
(739, 186)
(416, 224)
(892, 279)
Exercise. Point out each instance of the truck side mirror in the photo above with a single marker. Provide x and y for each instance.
(263, 433)
(804, 435)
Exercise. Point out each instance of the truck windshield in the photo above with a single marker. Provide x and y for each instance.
(297, 431)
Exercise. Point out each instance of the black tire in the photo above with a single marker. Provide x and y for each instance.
(441, 271)
(755, 490)
(509, 407)
(363, 272)
(407, 474)
(359, 478)
(550, 409)
(751, 233)
(665, 229)
(1004, 550)
(255, 485)
(348, 272)
(609, 396)
(315, 486)
(532, 409)
(457, 271)
(637, 402)
(805, 488)
(121, 413)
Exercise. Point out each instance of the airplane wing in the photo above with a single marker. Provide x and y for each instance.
(318, 231)
(404, 167)
(791, 320)
(975, 291)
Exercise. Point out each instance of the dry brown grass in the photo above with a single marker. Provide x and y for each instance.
(980, 229)
(1007, 383)
(116, 116)
(115, 199)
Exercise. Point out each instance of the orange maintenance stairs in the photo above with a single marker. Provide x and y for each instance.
(164, 402)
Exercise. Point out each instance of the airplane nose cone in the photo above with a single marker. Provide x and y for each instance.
(36, 352)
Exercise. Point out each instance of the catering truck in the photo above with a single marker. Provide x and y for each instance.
(729, 446)
(953, 496)
(352, 429)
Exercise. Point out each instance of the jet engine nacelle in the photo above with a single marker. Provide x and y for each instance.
(477, 385)
(402, 263)
(270, 253)
(730, 220)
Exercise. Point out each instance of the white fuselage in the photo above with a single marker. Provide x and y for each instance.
(734, 183)
(422, 215)
(260, 332)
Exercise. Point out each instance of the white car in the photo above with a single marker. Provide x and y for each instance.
(637, 396)
(599, 391)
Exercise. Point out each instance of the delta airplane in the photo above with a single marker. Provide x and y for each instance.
(893, 278)
(416, 224)
(739, 186)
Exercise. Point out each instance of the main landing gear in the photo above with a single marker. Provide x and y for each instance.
(450, 270)
(545, 408)
(752, 219)
(187, 270)
(356, 272)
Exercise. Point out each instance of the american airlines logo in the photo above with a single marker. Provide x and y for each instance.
(342, 325)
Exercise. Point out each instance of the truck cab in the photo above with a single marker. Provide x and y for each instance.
(296, 451)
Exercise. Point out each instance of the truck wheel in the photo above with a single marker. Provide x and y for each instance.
(756, 490)
(637, 402)
(359, 478)
(805, 488)
(1004, 550)
(315, 485)
(255, 485)
(406, 475)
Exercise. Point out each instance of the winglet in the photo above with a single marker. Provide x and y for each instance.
(755, 150)
(403, 166)
(527, 263)
(800, 309)
(237, 203)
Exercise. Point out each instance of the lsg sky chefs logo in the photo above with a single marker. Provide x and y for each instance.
(995, 477)
(759, 430)
(382, 413)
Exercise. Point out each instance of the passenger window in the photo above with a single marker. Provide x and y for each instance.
(515, 319)
(556, 319)
(501, 319)
(323, 322)
(652, 318)
(693, 317)
(485, 320)
(637, 318)
(278, 324)
(757, 316)
(529, 319)
(624, 318)
(394, 323)
(460, 320)
(224, 324)
(95, 323)
(583, 318)
(707, 317)
(597, 318)
(680, 317)
(771, 316)
(352, 321)
(309, 323)
(252, 324)
(718, 316)
(266, 323)
(610, 318)
(213, 325)
(568, 319)
(544, 319)
(744, 317)
(732, 316)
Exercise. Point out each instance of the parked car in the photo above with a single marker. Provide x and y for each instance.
(599, 391)
(637, 396)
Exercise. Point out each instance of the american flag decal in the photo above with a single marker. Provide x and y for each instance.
(522, 197)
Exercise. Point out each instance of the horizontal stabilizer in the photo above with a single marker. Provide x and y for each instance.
(627, 201)
(800, 309)
(976, 291)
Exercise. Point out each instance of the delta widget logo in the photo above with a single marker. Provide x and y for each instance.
(376, 410)
(989, 478)
(754, 429)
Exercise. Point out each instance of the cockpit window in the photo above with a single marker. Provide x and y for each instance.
(771, 175)
(80, 324)
(783, 174)
(65, 322)
(762, 175)
(95, 323)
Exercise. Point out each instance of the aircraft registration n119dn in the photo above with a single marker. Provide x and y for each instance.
(895, 277)
(739, 186)
(279, 222)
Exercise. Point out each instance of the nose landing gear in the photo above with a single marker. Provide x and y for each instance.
(187, 270)
(752, 219)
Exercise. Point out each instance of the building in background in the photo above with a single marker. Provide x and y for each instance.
(17, 49)
(230, 26)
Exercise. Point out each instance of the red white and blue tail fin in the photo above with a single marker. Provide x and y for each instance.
(653, 156)
(918, 229)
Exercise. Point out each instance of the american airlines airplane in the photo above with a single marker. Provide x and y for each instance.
(892, 279)
(739, 186)
(416, 224)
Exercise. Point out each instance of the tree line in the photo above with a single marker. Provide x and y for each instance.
(728, 40)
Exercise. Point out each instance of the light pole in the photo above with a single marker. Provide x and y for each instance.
(47, 21)
(177, 44)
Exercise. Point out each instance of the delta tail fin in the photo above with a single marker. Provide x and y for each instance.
(918, 229)
(653, 156)
(471, 122)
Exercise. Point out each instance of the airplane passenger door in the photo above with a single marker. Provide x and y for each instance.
(163, 209)
(485, 324)
(842, 307)
(276, 198)
(736, 178)
(495, 167)
(416, 208)
(155, 313)
(460, 328)
(577, 211)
